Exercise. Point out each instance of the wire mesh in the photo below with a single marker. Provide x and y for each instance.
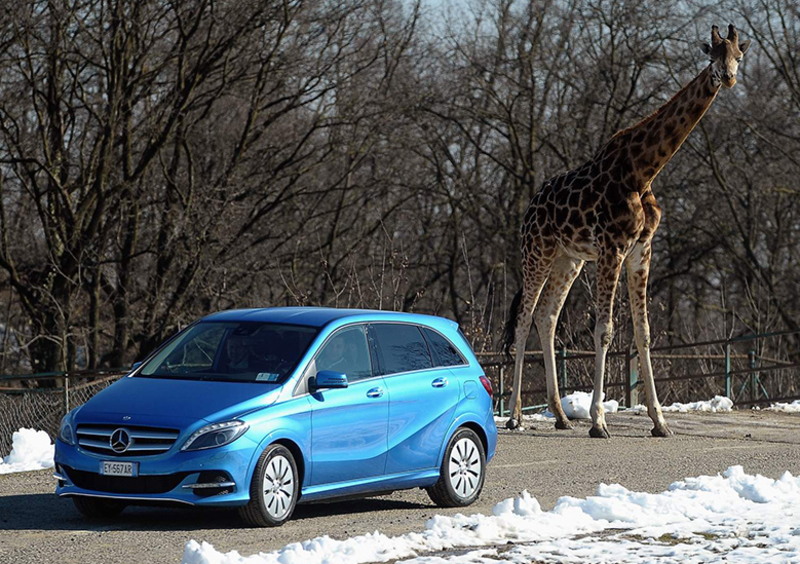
(42, 408)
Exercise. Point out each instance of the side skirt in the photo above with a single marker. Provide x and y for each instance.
(376, 485)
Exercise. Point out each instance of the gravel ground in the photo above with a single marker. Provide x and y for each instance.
(36, 526)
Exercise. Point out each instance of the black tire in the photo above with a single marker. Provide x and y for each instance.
(98, 508)
(269, 504)
(458, 486)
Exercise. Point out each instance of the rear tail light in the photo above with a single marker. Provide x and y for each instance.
(488, 385)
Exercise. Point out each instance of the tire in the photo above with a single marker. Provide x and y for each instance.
(274, 489)
(463, 471)
(97, 508)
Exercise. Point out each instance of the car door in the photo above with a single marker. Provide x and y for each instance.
(348, 425)
(422, 397)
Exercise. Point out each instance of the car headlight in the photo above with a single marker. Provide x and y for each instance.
(215, 435)
(65, 430)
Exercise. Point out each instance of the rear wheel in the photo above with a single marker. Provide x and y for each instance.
(97, 508)
(274, 489)
(463, 471)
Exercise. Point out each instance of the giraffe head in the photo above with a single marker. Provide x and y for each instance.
(725, 54)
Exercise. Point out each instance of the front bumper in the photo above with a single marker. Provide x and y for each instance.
(174, 476)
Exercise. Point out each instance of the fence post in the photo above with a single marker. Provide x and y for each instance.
(66, 394)
(751, 361)
(632, 389)
(502, 391)
(728, 370)
(562, 369)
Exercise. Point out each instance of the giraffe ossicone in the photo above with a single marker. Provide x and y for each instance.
(605, 211)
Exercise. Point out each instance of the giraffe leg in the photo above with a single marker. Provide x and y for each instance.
(565, 271)
(533, 281)
(638, 268)
(608, 269)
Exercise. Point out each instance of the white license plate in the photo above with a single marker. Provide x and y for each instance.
(114, 468)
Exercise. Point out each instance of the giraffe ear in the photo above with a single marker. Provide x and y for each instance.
(707, 48)
(744, 46)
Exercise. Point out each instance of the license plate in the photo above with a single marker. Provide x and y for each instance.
(114, 468)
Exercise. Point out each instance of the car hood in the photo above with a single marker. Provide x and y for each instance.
(159, 401)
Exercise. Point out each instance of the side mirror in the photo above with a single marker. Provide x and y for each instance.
(328, 379)
(136, 365)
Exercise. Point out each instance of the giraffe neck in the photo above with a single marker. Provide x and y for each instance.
(656, 139)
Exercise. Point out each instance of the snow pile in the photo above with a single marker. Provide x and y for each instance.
(541, 417)
(30, 450)
(719, 404)
(716, 405)
(577, 405)
(793, 407)
(735, 517)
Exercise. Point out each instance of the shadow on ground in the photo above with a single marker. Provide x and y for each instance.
(48, 512)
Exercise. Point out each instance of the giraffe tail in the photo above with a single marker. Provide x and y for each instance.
(511, 324)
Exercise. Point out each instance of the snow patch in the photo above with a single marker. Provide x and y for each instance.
(793, 407)
(576, 406)
(719, 404)
(734, 517)
(541, 417)
(30, 450)
(716, 405)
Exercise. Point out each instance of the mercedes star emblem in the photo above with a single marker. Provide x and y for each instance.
(120, 440)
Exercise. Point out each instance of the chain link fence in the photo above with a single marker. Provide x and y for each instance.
(39, 402)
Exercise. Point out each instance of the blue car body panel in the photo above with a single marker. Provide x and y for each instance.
(345, 442)
(348, 437)
(419, 416)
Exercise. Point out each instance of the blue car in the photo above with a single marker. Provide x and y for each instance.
(262, 409)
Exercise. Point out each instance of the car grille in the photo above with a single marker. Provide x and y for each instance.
(118, 484)
(145, 441)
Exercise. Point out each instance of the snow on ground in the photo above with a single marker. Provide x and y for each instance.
(576, 405)
(719, 404)
(732, 518)
(793, 407)
(30, 450)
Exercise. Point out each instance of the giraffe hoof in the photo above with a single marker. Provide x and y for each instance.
(563, 425)
(599, 433)
(512, 424)
(661, 431)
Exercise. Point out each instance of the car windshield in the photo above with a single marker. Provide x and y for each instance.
(232, 351)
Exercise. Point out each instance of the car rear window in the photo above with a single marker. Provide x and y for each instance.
(401, 348)
(443, 351)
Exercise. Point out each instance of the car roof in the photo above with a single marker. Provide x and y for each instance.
(321, 316)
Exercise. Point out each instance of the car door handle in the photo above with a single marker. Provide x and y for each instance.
(375, 393)
(439, 383)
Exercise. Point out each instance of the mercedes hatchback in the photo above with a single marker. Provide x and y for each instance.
(262, 409)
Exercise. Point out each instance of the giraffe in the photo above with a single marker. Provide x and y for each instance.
(605, 211)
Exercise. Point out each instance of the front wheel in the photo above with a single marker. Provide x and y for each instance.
(274, 489)
(462, 473)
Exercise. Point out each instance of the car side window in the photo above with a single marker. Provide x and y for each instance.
(401, 347)
(443, 351)
(346, 352)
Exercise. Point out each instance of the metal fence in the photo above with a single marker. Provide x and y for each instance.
(750, 369)
(39, 401)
